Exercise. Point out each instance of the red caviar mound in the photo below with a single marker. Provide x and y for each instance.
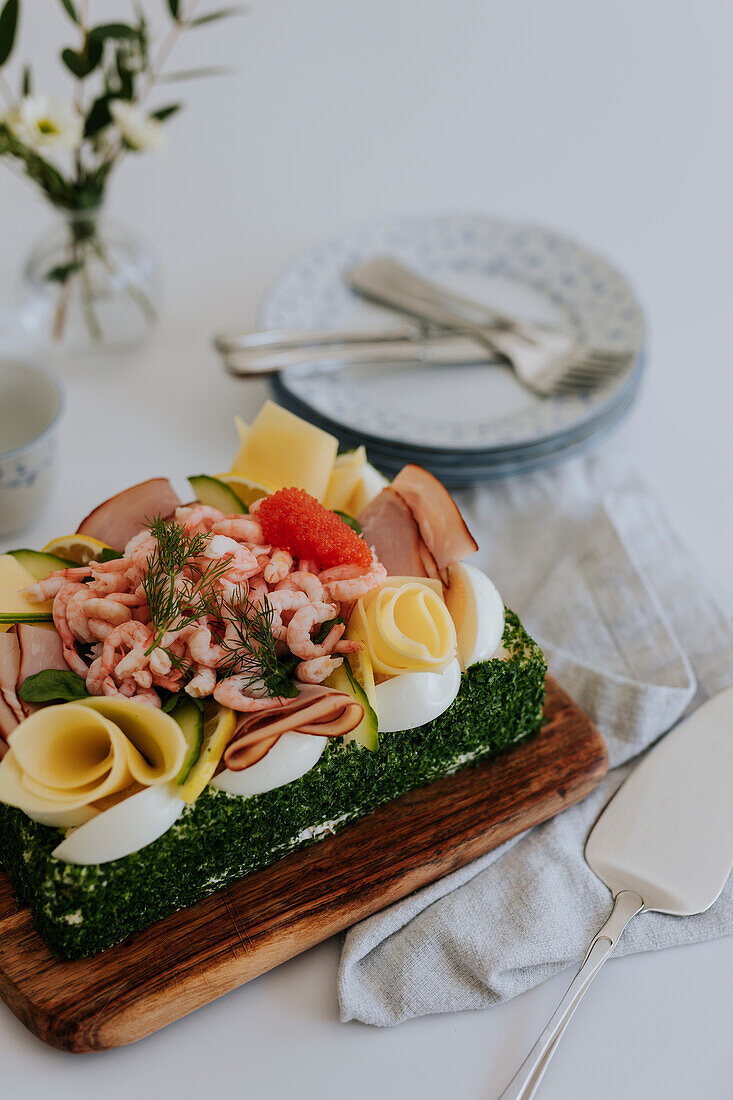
(296, 521)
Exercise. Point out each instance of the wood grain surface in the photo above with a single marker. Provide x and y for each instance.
(200, 953)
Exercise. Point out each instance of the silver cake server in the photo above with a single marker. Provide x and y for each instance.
(663, 844)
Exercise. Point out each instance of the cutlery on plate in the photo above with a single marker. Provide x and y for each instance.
(391, 273)
(663, 844)
(546, 361)
(254, 354)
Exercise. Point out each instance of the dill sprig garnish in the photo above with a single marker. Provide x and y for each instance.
(176, 584)
(181, 587)
(250, 645)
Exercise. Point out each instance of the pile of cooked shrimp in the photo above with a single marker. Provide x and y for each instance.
(103, 606)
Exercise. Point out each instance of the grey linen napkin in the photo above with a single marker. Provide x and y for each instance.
(630, 631)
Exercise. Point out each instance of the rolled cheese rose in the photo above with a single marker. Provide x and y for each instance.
(406, 626)
(64, 759)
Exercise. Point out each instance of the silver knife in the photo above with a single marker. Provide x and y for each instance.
(253, 354)
(663, 844)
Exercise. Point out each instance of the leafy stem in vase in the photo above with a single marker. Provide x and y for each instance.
(69, 148)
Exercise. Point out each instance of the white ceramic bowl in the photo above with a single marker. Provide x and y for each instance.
(31, 405)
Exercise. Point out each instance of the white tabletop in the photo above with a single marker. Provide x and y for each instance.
(610, 122)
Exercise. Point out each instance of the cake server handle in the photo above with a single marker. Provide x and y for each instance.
(527, 1078)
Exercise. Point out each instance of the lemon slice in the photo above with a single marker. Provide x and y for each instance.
(81, 549)
(247, 491)
(219, 723)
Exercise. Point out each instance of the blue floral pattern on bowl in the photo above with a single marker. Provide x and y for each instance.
(33, 403)
(24, 471)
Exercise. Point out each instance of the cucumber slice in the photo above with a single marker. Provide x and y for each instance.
(218, 727)
(39, 564)
(215, 493)
(9, 618)
(365, 734)
(191, 720)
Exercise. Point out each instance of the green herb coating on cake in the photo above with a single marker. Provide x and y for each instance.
(80, 911)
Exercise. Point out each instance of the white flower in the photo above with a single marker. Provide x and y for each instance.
(139, 130)
(46, 124)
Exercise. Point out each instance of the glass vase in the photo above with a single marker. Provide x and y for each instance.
(89, 285)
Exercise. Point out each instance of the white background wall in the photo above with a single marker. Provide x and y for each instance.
(610, 121)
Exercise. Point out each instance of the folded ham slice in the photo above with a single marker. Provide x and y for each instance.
(40, 649)
(8, 722)
(442, 526)
(9, 666)
(389, 526)
(415, 526)
(24, 651)
(116, 520)
(317, 710)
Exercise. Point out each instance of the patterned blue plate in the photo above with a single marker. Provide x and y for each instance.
(461, 470)
(472, 415)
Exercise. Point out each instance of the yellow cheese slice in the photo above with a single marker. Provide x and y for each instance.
(368, 486)
(405, 626)
(344, 478)
(427, 582)
(64, 759)
(351, 459)
(242, 428)
(157, 738)
(281, 450)
(13, 579)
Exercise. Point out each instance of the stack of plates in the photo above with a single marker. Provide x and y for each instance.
(465, 423)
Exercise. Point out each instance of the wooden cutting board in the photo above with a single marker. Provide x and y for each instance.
(200, 953)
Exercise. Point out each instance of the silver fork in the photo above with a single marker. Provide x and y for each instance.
(546, 361)
(390, 273)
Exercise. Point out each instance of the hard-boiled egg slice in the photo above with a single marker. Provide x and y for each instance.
(288, 759)
(477, 610)
(414, 698)
(65, 819)
(130, 825)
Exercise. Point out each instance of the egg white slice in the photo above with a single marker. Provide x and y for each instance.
(65, 819)
(414, 698)
(288, 759)
(478, 612)
(125, 828)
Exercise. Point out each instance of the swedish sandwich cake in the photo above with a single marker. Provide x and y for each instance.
(190, 691)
